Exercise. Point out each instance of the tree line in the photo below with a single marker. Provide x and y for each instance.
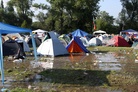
(64, 16)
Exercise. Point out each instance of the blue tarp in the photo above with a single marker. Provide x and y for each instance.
(5, 29)
(130, 30)
(79, 33)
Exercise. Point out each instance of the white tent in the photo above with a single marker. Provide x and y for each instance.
(104, 38)
(11, 35)
(84, 41)
(40, 32)
(99, 32)
(95, 42)
(52, 47)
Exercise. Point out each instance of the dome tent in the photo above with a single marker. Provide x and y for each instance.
(49, 46)
(79, 33)
(76, 46)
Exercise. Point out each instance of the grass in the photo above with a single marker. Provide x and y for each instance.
(110, 49)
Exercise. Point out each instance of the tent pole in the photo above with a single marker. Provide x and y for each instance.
(1, 61)
(34, 46)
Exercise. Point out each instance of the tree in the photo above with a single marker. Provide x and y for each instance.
(105, 22)
(129, 14)
(22, 10)
(68, 15)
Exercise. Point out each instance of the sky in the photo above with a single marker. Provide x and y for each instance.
(113, 7)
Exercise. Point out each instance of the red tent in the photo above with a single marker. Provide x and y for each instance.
(118, 41)
(76, 46)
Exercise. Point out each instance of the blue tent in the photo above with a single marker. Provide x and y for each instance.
(79, 33)
(76, 46)
(5, 29)
(130, 30)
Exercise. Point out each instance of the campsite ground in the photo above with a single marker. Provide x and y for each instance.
(106, 69)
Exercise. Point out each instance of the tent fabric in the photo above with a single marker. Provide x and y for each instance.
(24, 45)
(63, 42)
(76, 46)
(79, 33)
(40, 33)
(135, 45)
(12, 48)
(11, 35)
(37, 41)
(130, 31)
(39, 30)
(6, 28)
(65, 37)
(104, 38)
(118, 41)
(99, 32)
(52, 47)
(95, 42)
(84, 41)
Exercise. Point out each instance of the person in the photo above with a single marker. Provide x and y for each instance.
(132, 37)
(130, 42)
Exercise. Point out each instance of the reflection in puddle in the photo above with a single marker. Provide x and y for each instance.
(107, 62)
(77, 57)
(48, 64)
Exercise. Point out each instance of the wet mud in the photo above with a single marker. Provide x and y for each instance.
(93, 72)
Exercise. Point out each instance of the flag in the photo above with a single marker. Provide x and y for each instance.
(94, 25)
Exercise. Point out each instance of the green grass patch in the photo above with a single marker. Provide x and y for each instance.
(110, 49)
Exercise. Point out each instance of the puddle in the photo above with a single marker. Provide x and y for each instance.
(89, 66)
(108, 62)
(41, 64)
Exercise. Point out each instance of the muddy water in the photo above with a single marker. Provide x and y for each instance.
(85, 65)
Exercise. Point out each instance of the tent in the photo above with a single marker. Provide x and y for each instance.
(52, 46)
(40, 32)
(95, 42)
(104, 38)
(5, 29)
(15, 35)
(12, 48)
(65, 37)
(118, 41)
(99, 32)
(135, 45)
(79, 33)
(24, 45)
(84, 41)
(29, 42)
(129, 32)
(76, 46)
